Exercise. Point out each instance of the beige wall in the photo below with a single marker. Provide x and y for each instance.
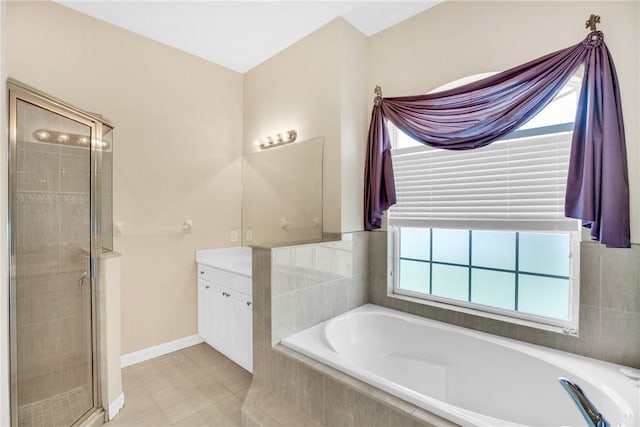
(5, 412)
(457, 39)
(354, 125)
(316, 86)
(176, 153)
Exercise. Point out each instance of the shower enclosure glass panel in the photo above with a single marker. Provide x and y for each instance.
(54, 165)
(106, 185)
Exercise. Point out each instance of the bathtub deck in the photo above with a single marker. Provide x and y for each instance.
(264, 407)
(348, 401)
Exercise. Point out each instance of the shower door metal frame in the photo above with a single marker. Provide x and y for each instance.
(19, 91)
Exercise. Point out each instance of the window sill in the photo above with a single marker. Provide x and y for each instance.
(480, 313)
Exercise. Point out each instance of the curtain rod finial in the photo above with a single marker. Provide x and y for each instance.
(378, 98)
(592, 21)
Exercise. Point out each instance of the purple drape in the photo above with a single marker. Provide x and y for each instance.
(478, 113)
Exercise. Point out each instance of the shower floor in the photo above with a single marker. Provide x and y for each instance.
(59, 410)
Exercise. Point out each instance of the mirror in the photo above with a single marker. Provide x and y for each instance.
(282, 194)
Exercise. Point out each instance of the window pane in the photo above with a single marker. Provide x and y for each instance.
(451, 246)
(496, 249)
(561, 110)
(414, 276)
(493, 288)
(405, 141)
(414, 243)
(450, 282)
(544, 253)
(543, 296)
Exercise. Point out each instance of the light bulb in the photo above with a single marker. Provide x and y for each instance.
(83, 140)
(63, 137)
(42, 135)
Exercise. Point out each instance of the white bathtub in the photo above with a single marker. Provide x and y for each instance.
(470, 378)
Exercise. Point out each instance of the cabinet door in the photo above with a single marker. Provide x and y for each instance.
(241, 328)
(203, 295)
(221, 316)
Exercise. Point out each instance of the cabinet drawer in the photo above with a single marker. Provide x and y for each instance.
(229, 280)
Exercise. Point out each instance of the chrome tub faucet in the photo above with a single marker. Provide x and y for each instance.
(589, 411)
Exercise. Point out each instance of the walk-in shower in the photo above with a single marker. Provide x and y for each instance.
(60, 163)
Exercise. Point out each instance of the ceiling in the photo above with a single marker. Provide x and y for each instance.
(241, 34)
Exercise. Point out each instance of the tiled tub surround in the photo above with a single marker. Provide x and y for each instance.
(313, 283)
(609, 326)
(292, 290)
(296, 287)
(299, 391)
(464, 375)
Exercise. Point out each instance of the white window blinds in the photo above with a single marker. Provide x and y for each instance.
(515, 184)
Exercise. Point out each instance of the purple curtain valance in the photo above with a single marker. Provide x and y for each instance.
(478, 113)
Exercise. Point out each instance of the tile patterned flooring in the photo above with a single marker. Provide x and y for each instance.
(193, 387)
(60, 410)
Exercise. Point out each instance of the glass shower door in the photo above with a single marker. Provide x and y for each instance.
(53, 367)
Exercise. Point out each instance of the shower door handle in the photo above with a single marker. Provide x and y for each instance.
(81, 279)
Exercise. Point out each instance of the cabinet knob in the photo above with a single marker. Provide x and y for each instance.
(248, 303)
(202, 272)
(224, 294)
(206, 287)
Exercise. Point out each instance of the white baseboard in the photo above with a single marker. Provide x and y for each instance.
(158, 350)
(115, 406)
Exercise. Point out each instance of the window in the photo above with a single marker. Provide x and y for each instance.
(484, 229)
(518, 271)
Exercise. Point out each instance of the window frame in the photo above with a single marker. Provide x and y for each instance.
(569, 326)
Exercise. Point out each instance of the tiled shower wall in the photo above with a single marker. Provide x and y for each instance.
(609, 304)
(53, 311)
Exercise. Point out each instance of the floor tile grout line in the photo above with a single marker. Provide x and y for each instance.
(142, 385)
(172, 364)
(178, 372)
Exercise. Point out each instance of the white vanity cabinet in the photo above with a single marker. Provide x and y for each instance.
(224, 302)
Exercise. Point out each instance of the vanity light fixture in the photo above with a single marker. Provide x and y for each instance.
(282, 138)
(65, 138)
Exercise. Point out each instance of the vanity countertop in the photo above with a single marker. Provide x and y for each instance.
(234, 260)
